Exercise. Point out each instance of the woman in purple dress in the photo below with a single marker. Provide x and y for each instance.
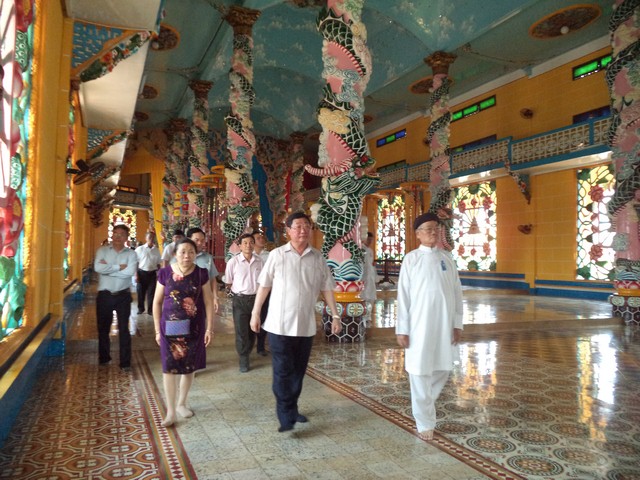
(183, 299)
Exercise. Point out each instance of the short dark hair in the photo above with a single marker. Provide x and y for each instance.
(122, 226)
(193, 230)
(369, 235)
(295, 216)
(177, 231)
(245, 235)
(185, 240)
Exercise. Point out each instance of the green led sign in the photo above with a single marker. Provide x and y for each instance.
(473, 109)
(591, 67)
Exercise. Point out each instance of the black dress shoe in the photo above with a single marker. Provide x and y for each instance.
(244, 368)
(140, 312)
(285, 428)
(262, 353)
(301, 419)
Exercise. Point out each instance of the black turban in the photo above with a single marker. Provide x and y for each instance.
(425, 217)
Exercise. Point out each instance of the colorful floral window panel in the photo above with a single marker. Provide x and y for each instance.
(390, 244)
(16, 46)
(596, 257)
(474, 227)
(120, 216)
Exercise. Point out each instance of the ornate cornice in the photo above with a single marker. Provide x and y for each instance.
(298, 137)
(242, 19)
(440, 62)
(200, 87)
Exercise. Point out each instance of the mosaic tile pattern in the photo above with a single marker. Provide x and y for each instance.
(90, 422)
(539, 404)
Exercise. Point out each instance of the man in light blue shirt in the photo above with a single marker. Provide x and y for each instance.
(205, 260)
(115, 265)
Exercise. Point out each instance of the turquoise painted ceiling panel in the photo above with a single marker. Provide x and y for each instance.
(490, 38)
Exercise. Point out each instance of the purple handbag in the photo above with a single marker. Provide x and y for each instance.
(181, 327)
(177, 328)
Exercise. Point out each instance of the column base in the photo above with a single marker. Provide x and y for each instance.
(626, 307)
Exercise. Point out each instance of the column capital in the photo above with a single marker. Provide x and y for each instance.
(177, 125)
(298, 137)
(200, 87)
(440, 62)
(242, 19)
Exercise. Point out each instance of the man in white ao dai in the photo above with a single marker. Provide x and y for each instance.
(429, 320)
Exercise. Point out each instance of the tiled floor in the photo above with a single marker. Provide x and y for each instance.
(542, 391)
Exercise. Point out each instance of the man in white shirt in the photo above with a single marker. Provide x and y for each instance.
(294, 274)
(169, 249)
(115, 265)
(429, 322)
(261, 251)
(146, 276)
(241, 275)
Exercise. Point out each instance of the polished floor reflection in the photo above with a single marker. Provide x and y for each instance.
(546, 388)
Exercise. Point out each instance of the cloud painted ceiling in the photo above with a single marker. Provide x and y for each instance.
(490, 38)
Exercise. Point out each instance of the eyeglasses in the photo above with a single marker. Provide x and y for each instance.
(299, 228)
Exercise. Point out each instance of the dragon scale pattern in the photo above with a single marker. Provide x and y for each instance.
(623, 79)
(241, 142)
(346, 172)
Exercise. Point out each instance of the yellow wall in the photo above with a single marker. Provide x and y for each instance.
(549, 252)
(516, 252)
(555, 225)
(553, 96)
(45, 227)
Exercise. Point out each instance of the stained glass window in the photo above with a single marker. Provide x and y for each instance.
(474, 227)
(596, 258)
(391, 235)
(119, 216)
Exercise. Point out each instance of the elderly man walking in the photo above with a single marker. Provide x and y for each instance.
(295, 274)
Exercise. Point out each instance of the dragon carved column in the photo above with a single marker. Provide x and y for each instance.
(175, 176)
(343, 157)
(198, 163)
(438, 138)
(296, 192)
(624, 139)
(241, 194)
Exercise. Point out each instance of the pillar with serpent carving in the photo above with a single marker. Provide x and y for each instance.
(344, 161)
(241, 195)
(623, 80)
(438, 139)
(198, 163)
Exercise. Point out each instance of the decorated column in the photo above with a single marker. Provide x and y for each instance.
(241, 195)
(198, 162)
(438, 139)
(343, 157)
(624, 139)
(175, 179)
(296, 189)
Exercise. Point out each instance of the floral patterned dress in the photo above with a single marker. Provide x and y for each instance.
(183, 299)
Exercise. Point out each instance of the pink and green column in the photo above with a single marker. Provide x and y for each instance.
(343, 158)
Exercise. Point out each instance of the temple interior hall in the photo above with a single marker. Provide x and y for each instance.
(515, 122)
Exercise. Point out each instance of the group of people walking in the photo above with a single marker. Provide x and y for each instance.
(273, 295)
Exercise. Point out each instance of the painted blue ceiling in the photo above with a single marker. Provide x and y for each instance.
(491, 39)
